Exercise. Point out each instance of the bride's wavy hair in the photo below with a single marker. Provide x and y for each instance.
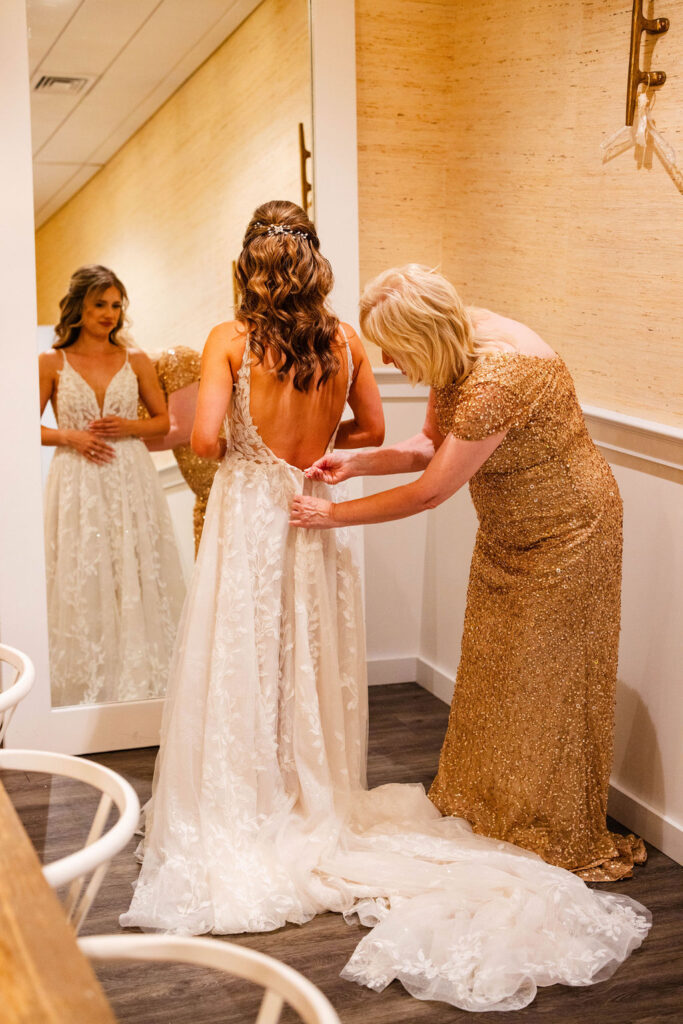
(284, 281)
(88, 282)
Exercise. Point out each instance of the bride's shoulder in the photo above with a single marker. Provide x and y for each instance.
(226, 341)
(228, 331)
(51, 360)
(349, 335)
(229, 335)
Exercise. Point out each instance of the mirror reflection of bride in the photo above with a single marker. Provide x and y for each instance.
(115, 586)
(260, 814)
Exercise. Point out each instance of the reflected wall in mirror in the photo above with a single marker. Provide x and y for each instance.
(187, 118)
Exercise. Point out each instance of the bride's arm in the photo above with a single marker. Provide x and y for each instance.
(367, 425)
(408, 456)
(215, 392)
(452, 466)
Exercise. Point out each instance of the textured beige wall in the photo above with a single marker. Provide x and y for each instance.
(511, 195)
(168, 211)
(403, 54)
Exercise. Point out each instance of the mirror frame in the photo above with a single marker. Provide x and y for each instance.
(23, 610)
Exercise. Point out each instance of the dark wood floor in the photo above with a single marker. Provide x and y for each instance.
(406, 728)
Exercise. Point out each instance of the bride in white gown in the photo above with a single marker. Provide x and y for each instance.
(260, 815)
(115, 586)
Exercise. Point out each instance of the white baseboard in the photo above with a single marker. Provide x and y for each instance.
(631, 811)
(385, 671)
(661, 831)
(435, 680)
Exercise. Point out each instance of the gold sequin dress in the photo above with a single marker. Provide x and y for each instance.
(528, 750)
(178, 368)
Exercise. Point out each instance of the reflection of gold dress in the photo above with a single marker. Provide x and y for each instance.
(178, 368)
(528, 751)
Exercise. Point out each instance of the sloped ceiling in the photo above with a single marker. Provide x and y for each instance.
(134, 55)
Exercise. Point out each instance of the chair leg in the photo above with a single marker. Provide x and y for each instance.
(99, 821)
(79, 912)
(270, 1009)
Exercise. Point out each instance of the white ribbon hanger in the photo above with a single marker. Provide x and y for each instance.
(638, 134)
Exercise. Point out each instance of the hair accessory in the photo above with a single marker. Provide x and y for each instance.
(280, 229)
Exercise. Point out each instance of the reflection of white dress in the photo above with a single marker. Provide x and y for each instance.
(260, 815)
(115, 586)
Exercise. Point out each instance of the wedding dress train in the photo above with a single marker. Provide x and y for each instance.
(260, 815)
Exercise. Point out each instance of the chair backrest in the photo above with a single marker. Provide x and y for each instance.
(282, 984)
(99, 849)
(23, 682)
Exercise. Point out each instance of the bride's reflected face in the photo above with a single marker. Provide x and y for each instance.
(102, 313)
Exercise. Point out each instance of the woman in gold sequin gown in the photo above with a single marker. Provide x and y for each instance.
(528, 750)
(178, 373)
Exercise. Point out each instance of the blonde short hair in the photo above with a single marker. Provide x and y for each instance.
(416, 316)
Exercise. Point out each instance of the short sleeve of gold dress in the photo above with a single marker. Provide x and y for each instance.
(178, 368)
(528, 750)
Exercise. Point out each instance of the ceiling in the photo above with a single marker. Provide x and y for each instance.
(133, 54)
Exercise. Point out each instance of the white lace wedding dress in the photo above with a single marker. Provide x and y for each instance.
(260, 814)
(115, 587)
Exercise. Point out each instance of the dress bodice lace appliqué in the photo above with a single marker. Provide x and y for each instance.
(77, 404)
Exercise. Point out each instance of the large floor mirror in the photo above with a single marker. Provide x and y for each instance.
(155, 134)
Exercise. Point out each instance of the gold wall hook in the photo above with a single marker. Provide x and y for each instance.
(235, 287)
(636, 77)
(306, 186)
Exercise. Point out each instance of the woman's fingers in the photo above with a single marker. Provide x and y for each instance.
(315, 473)
(109, 426)
(299, 511)
(102, 427)
(98, 451)
(310, 513)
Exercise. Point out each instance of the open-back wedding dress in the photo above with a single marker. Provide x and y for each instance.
(260, 815)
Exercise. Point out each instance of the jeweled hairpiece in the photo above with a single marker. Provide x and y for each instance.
(280, 229)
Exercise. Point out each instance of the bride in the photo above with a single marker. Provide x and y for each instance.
(260, 814)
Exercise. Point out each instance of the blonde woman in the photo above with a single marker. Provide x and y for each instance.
(528, 750)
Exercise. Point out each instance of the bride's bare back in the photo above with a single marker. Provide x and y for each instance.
(296, 425)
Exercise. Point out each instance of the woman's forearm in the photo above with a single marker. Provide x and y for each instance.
(53, 438)
(411, 456)
(155, 426)
(385, 506)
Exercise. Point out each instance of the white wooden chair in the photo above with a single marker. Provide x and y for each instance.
(282, 984)
(23, 681)
(99, 849)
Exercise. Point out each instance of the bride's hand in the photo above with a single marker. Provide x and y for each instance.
(111, 426)
(90, 446)
(312, 513)
(332, 468)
